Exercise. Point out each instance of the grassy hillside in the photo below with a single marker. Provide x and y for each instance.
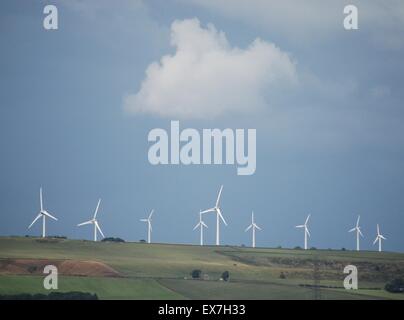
(106, 288)
(162, 271)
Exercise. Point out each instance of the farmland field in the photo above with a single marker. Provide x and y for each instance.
(162, 271)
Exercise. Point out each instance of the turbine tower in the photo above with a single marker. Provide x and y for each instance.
(254, 226)
(379, 238)
(358, 233)
(94, 222)
(149, 226)
(219, 216)
(201, 225)
(42, 214)
(306, 231)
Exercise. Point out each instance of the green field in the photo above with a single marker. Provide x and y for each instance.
(162, 271)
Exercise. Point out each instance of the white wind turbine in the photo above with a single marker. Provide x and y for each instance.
(306, 231)
(42, 214)
(379, 238)
(149, 226)
(219, 216)
(254, 226)
(94, 222)
(201, 225)
(358, 233)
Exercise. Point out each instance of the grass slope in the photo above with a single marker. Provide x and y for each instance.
(105, 288)
(161, 271)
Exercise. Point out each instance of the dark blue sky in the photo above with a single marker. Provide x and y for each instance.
(331, 145)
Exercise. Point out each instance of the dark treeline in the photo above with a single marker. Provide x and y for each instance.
(73, 295)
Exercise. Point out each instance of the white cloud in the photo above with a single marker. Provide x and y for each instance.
(206, 77)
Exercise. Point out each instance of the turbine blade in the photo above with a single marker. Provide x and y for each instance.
(357, 221)
(360, 232)
(40, 198)
(98, 228)
(218, 196)
(84, 223)
(352, 230)
(377, 238)
(96, 209)
(381, 236)
(144, 220)
(204, 224)
(208, 210)
(255, 225)
(197, 225)
(300, 226)
(32, 223)
(248, 228)
(151, 213)
(308, 232)
(219, 212)
(378, 229)
(307, 219)
(46, 213)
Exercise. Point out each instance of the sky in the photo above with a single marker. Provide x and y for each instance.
(78, 103)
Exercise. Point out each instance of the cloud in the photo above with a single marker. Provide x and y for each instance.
(206, 77)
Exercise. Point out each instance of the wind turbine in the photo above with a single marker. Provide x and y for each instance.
(219, 216)
(149, 227)
(358, 232)
(42, 214)
(379, 238)
(306, 231)
(254, 226)
(201, 225)
(94, 222)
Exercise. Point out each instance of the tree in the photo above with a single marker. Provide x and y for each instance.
(71, 295)
(395, 286)
(196, 274)
(112, 239)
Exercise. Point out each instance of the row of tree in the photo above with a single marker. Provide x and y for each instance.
(72, 295)
(196, 274)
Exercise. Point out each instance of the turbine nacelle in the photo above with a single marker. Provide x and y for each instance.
(216, 208)
(42, 214)
(219, 215)
(305, 226)
(200, 223)
(359, 233)
(253, 224)
(94, 222)
(149, 225)
(379, 238)
(306, 230)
